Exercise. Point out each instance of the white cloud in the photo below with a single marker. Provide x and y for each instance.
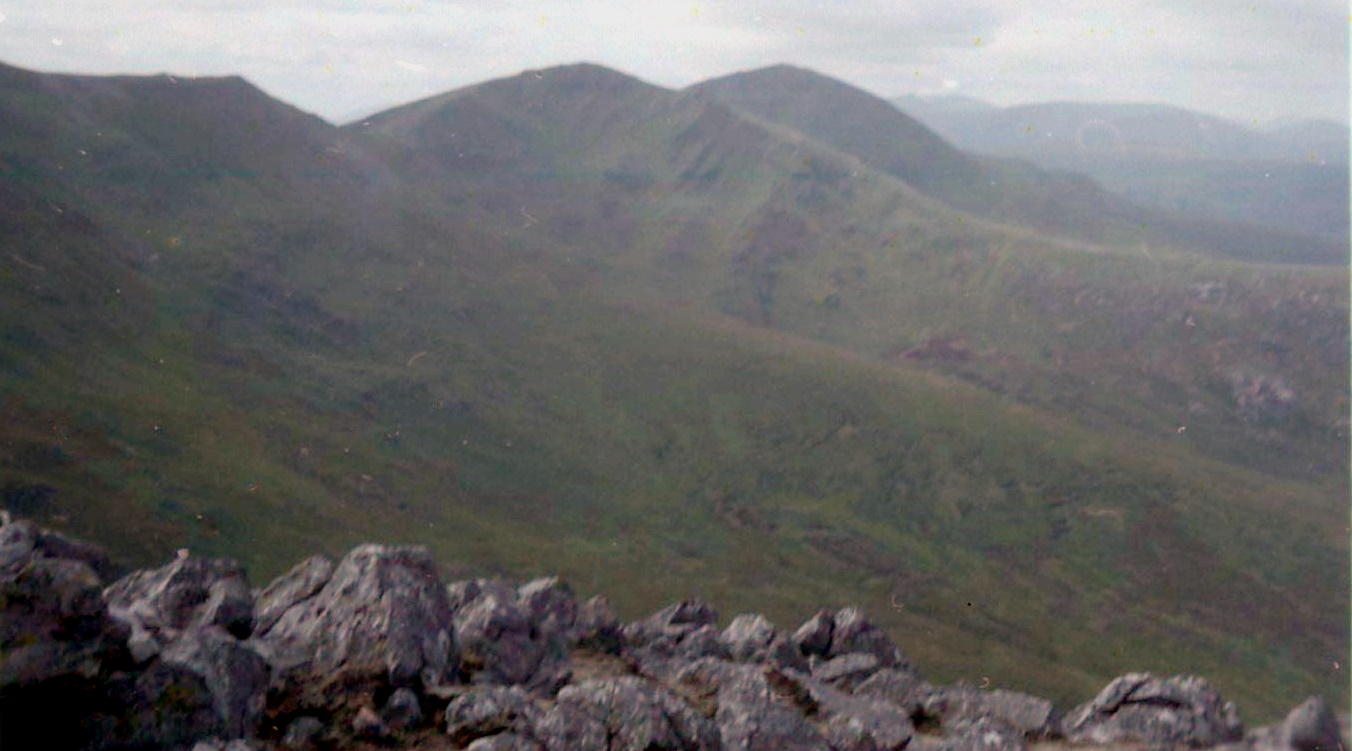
(337, 58)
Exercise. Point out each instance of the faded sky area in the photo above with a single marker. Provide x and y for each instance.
(1250, 61)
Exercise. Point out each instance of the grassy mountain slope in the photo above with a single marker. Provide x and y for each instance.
(1292, 178)
(1008, 190)
(518, 348)
(674, 196)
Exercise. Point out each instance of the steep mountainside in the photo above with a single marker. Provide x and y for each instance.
(1292, 178)
(667, 195)
(864, 126)
(568, 322)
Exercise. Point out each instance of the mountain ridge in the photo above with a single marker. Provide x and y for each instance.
(1008, 190)
(702, 349)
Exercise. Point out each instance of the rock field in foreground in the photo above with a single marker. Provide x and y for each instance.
(376, 651)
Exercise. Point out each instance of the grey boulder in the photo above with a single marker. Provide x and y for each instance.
(302, 582)
(902, 688)
(813, 638)
(866, 722)
(597, 626)
(1030, 716)
(551, 607)
(382, 616)
(752, 638)
(236, 678)
(853, 632)
(848, 670)
(500, 644)
(750, 714)
(1144, 708)
(1312, 726)
(981, 734)
(624, 714)
(491, 710)
(189, 593)
(402, 710)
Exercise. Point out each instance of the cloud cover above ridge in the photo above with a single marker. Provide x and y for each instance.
(1250, 61)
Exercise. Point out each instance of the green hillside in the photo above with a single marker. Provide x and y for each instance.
(572, 323)
(673, 196)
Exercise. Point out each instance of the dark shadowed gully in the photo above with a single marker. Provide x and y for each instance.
(378, 651)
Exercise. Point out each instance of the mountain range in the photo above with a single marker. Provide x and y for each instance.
(1290, 175)
(570, 321)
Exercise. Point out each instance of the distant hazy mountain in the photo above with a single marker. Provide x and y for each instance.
(571, 322)
(864, 126)
(1292, 177)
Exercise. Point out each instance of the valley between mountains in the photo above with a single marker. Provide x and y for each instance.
(715, 343)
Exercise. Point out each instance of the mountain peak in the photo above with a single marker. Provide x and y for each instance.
(844, 117)
(574, 78)
(579, 72)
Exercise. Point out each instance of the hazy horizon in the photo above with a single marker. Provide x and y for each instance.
(356, 115)
(1252, 63)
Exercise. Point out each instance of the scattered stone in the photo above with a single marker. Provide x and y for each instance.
(461, 593)
(981, 734)
(853, 632)
(551, 607)
(624, 713)
(58, 647)
(849, 734)
(1144, 708)
(299, 584)
(750, 716)
(813, 638)
(498, 643)
(216, 744)
(670, 624)
(491, 710)
(187, 657)
(902, 688)
(188, 594)
(402, 710)
(505, 742)
(846, 671)
(236, 677)
(17, 540)
(868, 720)
(1312, 726)
(1031, 716)
(597, 627)
(49, 601)
(367, 724)
(164, 706)
(303, 733)
(748, 637)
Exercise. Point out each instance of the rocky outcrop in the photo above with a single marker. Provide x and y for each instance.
(749, 714)
(54, 624)
(153, 660)
(1144, 708)
(188, 594)
(506, 641)
(1312, 726)
(382, 619)
(377, 651)
(1026, 716)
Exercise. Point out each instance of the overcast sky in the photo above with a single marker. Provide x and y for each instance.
(1250, 61)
